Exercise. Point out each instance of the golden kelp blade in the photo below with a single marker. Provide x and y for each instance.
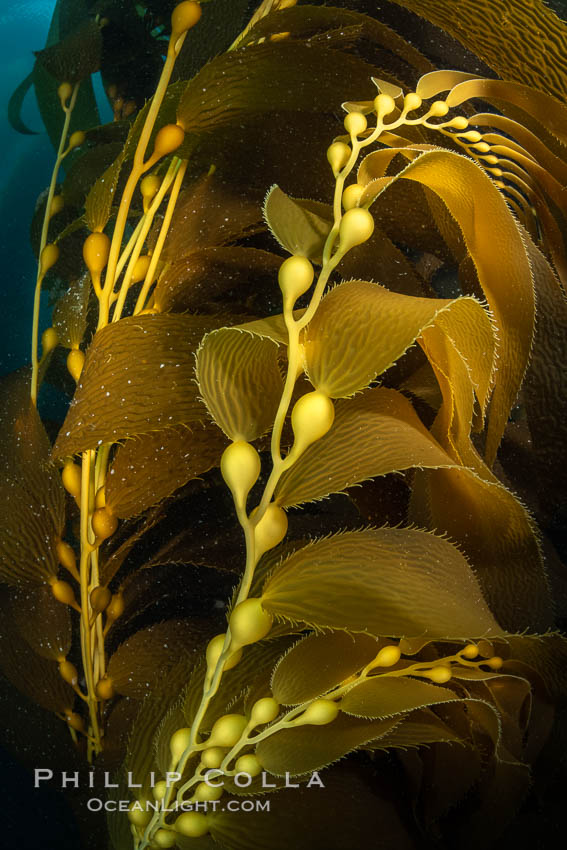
(234, 84)
(501, 33)
(388, 697)
(240, 381)
(362, 581)
(373, 434)
(481, 213)
(297, 227)
(361, 329)
(138, 377)
(418, 728)
(150, 467)
(330, 26)
(320, 662)
(32, 514)
(305, 749)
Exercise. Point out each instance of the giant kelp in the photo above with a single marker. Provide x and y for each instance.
(409, 340)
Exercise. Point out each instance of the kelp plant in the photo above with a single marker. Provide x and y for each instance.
(412, 631)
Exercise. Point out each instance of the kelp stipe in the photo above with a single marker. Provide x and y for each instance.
(344, 636)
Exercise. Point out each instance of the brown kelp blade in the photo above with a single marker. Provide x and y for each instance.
(361, 580)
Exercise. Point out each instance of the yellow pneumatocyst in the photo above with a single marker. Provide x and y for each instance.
(240, 468)
(212, 757)
(355, 123)
(207, 793)
(57, 205)
(249, 764)
(184, 16)
(75, 363)
(227, 730)
(352, 195)
(63, 592)
(165, 838)
(214, 650)
(77, 139)
(49, 340)
(104, 523)
(319, 713)
(458, 123)
(168, 139)
(192, 824)
(48, 258)
(179, 742)
(384, 104)
(312, 416)
(338, 154)
(105, 689)
(249, 622)
(75, 720)
(295, 276)
(438, 109)
(159, 790)
(141, 267)
(387, 657)
(271, 529)
(68, 672)
(264, 710)
(65, 553)
(356, 227)
(470, 651)
(138, 815)
(71, 478)
(96, 249)
(411, 101)
(115, 608)
(100, 598)
(149, 186)
(440, 674)
(64, 92)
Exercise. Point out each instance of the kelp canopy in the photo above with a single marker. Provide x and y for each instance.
(300, 524)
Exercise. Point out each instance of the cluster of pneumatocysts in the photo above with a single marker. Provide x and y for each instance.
(220, 753)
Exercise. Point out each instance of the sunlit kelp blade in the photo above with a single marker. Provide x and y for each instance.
(40, 619)
(361, 329)
(501, 33)
(333, 27)
(301, 227)
(362, 581)
(138, 377)
(150, 467)
(146, 655)
(384, 697)
(32, 516)
(239, 381)
(373, 434)
(233, 84)
(320, 662)
(201, 277)
(503, 267)
(308, 748)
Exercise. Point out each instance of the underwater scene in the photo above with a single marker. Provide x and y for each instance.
(283, 403)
